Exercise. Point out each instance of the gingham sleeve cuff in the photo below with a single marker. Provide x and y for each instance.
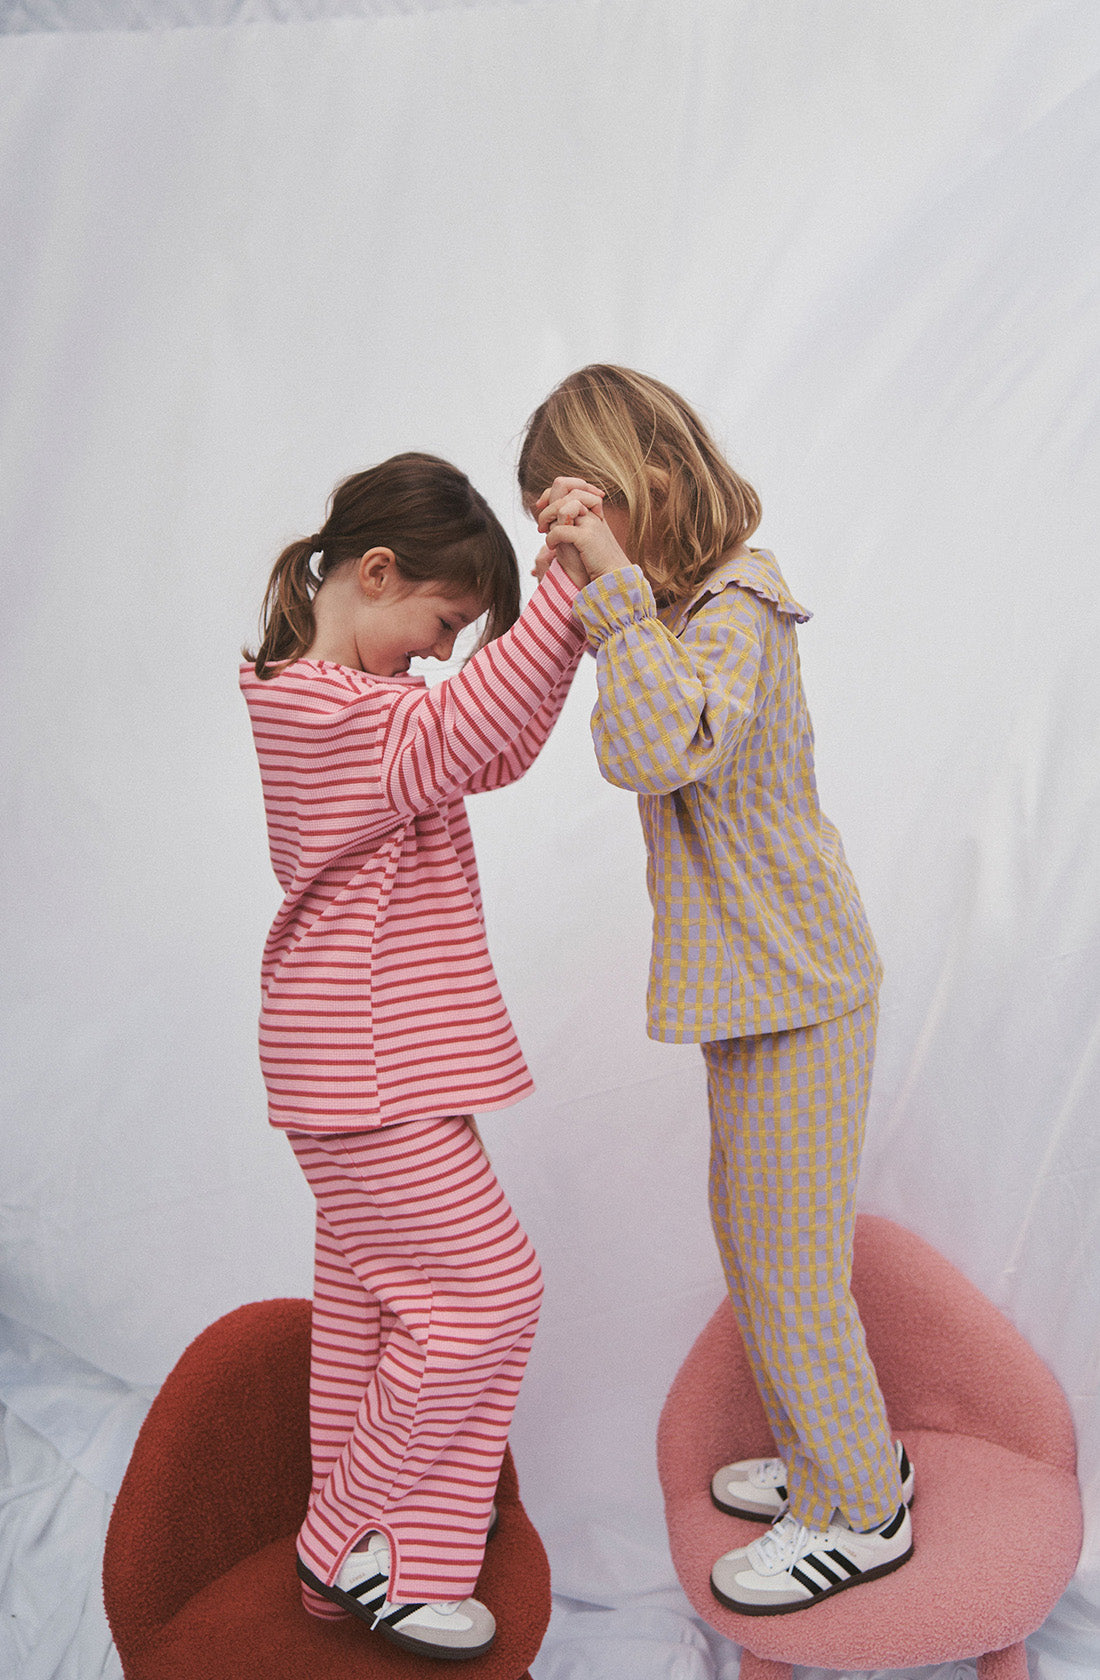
(612, 602)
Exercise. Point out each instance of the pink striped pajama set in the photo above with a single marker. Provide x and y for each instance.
(382, 1027)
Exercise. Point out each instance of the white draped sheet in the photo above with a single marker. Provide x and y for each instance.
(239, 262)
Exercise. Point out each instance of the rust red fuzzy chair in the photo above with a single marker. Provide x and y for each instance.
(997, 1515)
(198, 1570)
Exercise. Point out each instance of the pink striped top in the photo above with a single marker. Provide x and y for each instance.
(380, 1003)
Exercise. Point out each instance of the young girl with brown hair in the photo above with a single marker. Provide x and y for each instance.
(382, 1027)
(761, 948)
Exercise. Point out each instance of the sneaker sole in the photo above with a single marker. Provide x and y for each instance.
(743, 1510)
(808, 1603)
(423, 1648)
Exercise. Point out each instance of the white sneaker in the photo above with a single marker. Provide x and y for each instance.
(457, 1628)
(792, 1566)
(757, 1487)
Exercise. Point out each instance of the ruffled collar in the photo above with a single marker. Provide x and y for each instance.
(756, 571)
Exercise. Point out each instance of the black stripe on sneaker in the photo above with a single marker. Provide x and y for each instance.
(804, 1580)
(338, 1596)
(844, 1562)
(370, 1585)
(782, 1492)
(904, 1466)
(831, 1575)
(372, 1604)
(888, 1530)
(397, 1613)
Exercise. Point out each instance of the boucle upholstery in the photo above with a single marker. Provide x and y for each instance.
(198, 1574)
(997, 1515)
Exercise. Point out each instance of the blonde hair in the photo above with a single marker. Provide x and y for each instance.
(640, 443)
(440, 529)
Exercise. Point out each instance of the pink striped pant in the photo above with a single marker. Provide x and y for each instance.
(426, 1296)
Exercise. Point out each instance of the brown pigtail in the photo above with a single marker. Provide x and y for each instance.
(286, 618)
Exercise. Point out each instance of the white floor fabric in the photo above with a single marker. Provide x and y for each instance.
(252, 245)
(66, 1433)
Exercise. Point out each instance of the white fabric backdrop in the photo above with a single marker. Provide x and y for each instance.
(241, 262)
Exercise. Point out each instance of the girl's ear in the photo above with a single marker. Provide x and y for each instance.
(374, 569)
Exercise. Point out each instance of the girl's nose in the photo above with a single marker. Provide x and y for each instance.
(445, 645)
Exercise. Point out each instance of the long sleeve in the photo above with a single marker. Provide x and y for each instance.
(672, 709)
(485, 726)
(518, 757)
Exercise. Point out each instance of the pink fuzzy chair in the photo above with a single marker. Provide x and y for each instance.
(997, 1514)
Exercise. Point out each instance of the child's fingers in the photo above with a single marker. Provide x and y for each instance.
(567, 516)
(568, 512)
(573, 506)
(567, 530)
(562, 486)
(580, 495)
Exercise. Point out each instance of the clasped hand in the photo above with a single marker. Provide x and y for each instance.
(571, 518)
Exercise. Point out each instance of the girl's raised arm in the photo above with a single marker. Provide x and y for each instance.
(671, 709)
(518, 758)
(484, 727)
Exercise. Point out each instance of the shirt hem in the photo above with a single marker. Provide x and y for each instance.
(462, 1107)
(760, 1021)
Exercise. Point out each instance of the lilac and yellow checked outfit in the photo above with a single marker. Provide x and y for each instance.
(762, 954)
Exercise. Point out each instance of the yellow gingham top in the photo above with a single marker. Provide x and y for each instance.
(757, 921)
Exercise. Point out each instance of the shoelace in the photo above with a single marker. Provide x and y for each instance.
(770, 1473)
(785, 1542)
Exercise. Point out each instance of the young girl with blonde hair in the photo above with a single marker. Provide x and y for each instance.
(761, 948)
(382, 1027)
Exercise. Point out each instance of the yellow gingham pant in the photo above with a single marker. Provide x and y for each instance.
(787, 1121)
